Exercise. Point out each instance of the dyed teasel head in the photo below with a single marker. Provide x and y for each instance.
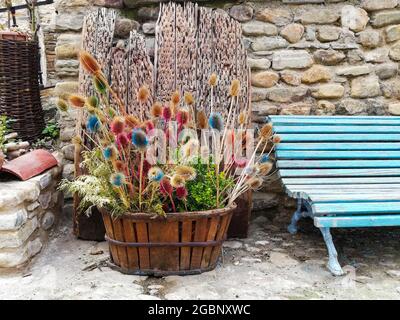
(167, 113)
(190, 148)
(177, 181)
(77, 101)
(155, 174)
(110, 153)
(216, 121)
(264, 158)
(255, 183)
(189, 99)
(276, 139)
(166, 187)
(156, 110)
(123, 140)
(235, 88)
(117, 125)
(188, 173)
(62, 105)
(132, 121)
(213, 80)
(264, 168)
(202, 122)
(119, 166)
(89, 63)
(117, 179)
(266, 131)
(250, 170)
(93, 124)
(182, 117)
(181, 193)
(143, 94)
(175, 98)
(100, 83)
(93, 101)
(139, 139)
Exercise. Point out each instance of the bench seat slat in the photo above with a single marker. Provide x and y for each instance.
(384, 118)
(352, 180)
(308, 164)
(355, 208)
(357, 221)
(360, 197)
(334, 122)
(336, 129)
(363, 137)
(339, 146)
(341, 187)
(339, 172)
(338, 154)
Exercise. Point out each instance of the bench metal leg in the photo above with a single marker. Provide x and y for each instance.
(333, 264)
(292, 228)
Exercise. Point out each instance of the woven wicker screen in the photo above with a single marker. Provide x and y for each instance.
(19, 87)
(192, 43)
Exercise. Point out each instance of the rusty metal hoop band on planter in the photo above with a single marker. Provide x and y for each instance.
(180, 244)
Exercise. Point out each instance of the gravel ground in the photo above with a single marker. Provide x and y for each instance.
(271, 264)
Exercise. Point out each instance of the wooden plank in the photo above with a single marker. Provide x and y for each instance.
(187, 236)
(167, 258)
(278, 117)
(359, 197)
(351, 208)
(346, 187)
(119, 236)
(336, 129)
(357, 221)
(338, 154)
(144, 253)
(129, 232)
(339, 146)
(335, 121)
(306, 194)
(336, 164)
(361, 137)
(212, 233)
(199, 236)
(339, 172)
(352, 180)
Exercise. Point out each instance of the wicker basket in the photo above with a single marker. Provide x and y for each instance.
(181, 244)
(19, 85)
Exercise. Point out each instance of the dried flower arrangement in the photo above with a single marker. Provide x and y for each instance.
(124, 170)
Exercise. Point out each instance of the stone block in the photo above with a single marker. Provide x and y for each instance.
(373, 5)
(287, 94)
(13, 219)
(242, 13)
(328, 91)
(292, 32)
(264, 79)
(268, 43)
(319, 16)
(17, 257)
(329, 57)
(15, 239)
(365, 87)
(259, 28)
(315, 74)
(354, 71)
(259, 64)
(287, 59)
(385, 18)
(356, 19)
(278, 16)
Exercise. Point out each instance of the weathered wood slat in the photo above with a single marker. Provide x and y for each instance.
(299, 117)
(339, 146)
(294, 154)
(308, 164)
(357, 221)
(336, 121)
(360, 137)
(340, 187)
(351, 208)
(339, 172)
(352, 180)
(364, 197)
(336, 129)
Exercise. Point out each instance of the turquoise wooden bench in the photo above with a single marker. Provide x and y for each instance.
(343, 171)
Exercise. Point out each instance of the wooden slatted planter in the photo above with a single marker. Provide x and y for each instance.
(181, 244)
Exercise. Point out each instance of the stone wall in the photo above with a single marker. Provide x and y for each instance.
(307, 56)
(28, 211)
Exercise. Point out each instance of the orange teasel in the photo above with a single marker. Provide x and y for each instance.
(266, 131)
(202, 121)
(235, 88)
(89, 63)
(276, 139)
(242, 118)
(62, 105)
(189, 99)
(213, 80)
(132, 121)
(77, 101)
(175, 98)
(143, 94)
(156, 110)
